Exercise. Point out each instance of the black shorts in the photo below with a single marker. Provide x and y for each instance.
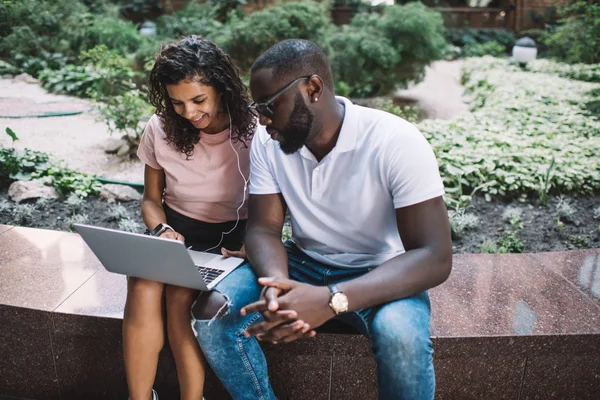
(205, 235)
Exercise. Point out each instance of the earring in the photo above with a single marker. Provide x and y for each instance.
(316, 99)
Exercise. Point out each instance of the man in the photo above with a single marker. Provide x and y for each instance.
(370, 232)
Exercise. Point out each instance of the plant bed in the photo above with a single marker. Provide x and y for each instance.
(482, 221)
(566, 223)
(60, 214)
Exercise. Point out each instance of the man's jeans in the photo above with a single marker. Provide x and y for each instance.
(398, 331)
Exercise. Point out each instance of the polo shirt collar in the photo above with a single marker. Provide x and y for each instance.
(347, 138)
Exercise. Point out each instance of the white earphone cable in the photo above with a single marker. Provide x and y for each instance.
(245, 186)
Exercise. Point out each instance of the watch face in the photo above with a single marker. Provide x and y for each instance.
(339, 301)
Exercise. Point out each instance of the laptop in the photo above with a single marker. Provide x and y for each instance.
(161, 260)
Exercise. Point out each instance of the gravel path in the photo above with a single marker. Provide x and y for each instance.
(79, 140)
(440, 94)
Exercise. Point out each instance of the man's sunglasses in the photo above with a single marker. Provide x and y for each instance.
(264, 108)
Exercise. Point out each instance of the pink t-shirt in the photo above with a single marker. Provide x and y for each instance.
(208, 186)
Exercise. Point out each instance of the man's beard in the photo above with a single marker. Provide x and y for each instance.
(293, 136)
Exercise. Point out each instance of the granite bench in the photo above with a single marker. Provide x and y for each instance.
(503, 326)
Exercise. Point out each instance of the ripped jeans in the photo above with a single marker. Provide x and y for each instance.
(398, 332)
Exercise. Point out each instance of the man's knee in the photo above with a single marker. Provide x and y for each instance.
(403, 327)
(209, 305)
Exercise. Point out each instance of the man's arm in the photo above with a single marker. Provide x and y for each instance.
(425, 232)
(267, 254)
(266, 215)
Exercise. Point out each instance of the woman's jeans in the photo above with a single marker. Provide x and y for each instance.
(398, 332)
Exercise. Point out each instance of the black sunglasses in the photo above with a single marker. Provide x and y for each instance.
(264, 108)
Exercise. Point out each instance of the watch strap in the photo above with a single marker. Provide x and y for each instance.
(333, 288)
(160, 228)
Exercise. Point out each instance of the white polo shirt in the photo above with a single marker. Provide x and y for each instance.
(342, 209)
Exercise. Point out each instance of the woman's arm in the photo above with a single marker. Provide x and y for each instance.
(152, 210)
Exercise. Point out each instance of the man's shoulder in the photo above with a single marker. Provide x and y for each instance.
(378, 127)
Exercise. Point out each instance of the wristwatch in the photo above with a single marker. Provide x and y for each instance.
(338, 300)
(159, 229)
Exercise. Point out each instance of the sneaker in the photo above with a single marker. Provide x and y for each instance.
(154, 395)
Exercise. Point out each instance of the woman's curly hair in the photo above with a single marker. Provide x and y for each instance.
(196, 58)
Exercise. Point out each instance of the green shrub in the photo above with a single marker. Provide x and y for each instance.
(66, 181)
(37, 28)
(143, 59)
(116, 212)
(30, 26)
(138, 10)
(461, 221)
(258, 31)
(470, 36)
(577, 37)
(417, 32)
(117, 34)
(580, 72)
(104, 73)
(376, 53)
(510, 242)
(28, 164)
(523, 124)
(407, 112)
(21, 214)
(130, 225)
(194, 19)
(492, 48)
(77, 80)
(222, 9)
(127, 113)
(76, 219)
(8, 68)
(21, 164)
(363, 62)
(33, 65)
(488, 247)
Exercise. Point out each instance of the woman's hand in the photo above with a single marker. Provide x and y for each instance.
(230, 253)
(170, 234)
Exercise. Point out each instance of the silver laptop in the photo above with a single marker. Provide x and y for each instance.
(161, 260)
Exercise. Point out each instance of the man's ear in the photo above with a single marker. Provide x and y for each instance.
(315, 88)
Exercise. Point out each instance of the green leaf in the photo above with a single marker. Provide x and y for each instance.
(12, 134)
(20, 176)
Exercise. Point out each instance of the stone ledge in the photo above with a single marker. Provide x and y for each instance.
(503, 326)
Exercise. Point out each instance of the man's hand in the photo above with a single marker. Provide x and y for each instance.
(241, 253)
(273, 317)
(310, 303)
(170, 234)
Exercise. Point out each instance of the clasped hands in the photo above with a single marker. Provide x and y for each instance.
(291, 310)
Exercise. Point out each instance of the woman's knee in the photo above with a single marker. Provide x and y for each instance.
(143, 296)
(179, 300)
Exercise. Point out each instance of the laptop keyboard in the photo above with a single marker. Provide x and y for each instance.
(209, 274)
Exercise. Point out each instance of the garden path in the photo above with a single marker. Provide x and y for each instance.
(79, 140)
(439, 95)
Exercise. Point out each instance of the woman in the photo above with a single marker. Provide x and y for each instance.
(197, 166)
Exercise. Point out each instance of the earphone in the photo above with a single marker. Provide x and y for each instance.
(245, 185)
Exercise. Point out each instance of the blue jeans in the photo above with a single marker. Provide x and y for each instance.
(398, 331)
